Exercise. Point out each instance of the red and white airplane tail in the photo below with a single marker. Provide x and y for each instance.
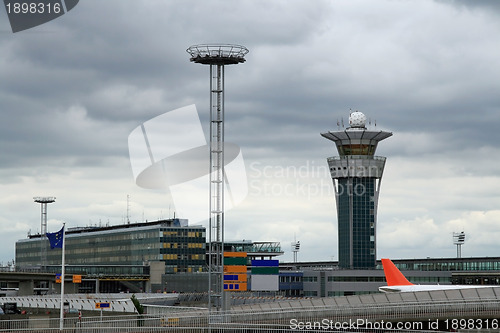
(393, 275)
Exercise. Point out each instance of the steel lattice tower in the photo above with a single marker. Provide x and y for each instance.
(217, 56)
(43, 201)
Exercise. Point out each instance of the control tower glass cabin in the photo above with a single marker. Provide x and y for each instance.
(356, 175)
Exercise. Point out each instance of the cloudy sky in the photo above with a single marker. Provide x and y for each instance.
(72, 91)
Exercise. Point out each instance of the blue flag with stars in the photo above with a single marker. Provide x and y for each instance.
(56, 238)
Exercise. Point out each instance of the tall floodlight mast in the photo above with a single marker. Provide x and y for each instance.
(459, 240)
(295, 249)
(217, 56)
(43, 201)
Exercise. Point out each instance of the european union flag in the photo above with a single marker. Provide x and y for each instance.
(56, 238)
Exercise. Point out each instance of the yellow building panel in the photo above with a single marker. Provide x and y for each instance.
(235, 269)
(235, 254)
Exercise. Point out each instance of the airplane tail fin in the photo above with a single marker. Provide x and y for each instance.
(393, 275)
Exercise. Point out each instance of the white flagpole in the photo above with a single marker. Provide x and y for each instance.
(61, 316)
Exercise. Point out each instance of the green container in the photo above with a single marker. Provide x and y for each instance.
(265, 270)
(236, 261)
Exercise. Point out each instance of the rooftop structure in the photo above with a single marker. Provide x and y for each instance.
(255, 250)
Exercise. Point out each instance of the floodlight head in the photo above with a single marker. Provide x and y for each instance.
(217, 54)
(44, 199)
(458, 238)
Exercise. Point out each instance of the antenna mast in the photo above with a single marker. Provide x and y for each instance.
(128, 209)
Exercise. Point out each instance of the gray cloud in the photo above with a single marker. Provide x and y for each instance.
(73, 89)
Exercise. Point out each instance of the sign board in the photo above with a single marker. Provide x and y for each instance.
(77, 279)
(101, 305)
(10, 308)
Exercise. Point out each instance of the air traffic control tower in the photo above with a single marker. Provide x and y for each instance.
(356, 175)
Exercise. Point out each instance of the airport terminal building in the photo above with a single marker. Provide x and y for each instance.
(180, 246)
(161, 255)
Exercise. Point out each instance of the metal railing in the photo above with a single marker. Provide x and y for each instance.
(218, 50)
(273, 318)
(356, 157)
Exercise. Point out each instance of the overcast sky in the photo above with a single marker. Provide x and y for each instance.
(73, 89)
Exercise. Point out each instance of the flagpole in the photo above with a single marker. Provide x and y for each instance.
(61, 315)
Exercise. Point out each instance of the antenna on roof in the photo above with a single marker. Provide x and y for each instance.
(128, 209)
(295, 248)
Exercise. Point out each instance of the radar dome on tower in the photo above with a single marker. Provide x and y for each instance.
(357, 119)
